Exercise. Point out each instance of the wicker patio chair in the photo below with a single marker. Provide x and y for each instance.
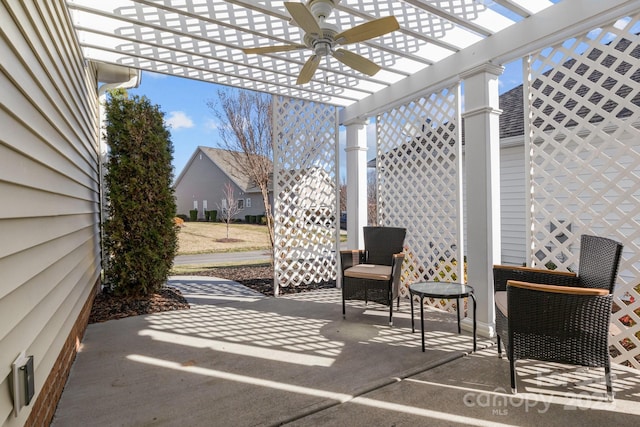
(559, 316)
(373, 274)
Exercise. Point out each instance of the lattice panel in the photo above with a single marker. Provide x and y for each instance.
(418, 184)
(305, 192)
(584, 144)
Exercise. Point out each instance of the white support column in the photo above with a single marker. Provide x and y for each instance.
(482, 160)
(356, 182)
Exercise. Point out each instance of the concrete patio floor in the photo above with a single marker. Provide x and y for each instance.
(237, 358)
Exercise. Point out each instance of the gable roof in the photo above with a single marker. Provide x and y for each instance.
(512, 117)
(231, 163)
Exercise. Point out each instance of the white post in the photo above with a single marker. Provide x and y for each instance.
(482, 160)
(356, 182)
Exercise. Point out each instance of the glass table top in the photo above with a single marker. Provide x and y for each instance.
(440, 289)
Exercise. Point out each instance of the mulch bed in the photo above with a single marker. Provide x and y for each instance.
(259, 278)
(107, 306)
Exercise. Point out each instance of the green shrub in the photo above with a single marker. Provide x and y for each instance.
(183, 217)
(213, 215)
(193, 215)
(140, 231)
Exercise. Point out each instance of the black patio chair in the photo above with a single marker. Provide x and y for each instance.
(373, 274)
(558, 316)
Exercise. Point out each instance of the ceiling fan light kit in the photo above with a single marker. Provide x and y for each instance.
(322, 38)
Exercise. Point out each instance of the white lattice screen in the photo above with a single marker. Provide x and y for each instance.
(584, 147)
(305, 189)
(419, 185)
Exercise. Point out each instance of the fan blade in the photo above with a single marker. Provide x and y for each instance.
(308, 70)
(368, 30)
(357, 62)
(272, 49)
(303, 17)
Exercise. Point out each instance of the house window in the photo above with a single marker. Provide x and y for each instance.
(224, 203)
(248, 202)
(204, 205)
(240, 204)
(195, 205)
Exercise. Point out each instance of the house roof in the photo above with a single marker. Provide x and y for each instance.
(232, 163)
(512, 117)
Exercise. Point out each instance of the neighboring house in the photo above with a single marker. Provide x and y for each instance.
(201, 184)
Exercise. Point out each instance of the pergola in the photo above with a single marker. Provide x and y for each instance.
(443, 49)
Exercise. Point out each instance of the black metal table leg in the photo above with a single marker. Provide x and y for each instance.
(422, 321)
(458, 310)
(475, 305)
(413, 329)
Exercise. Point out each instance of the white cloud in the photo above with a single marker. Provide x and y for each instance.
(211, 124)
(178, 120)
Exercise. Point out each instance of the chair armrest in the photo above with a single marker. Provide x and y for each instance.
(350, 258)
(569, 290)
(503, 273)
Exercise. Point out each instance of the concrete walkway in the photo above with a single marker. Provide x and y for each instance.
(237, 358)
(222, 258)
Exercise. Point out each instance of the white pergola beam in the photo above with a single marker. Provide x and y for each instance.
(549, 26)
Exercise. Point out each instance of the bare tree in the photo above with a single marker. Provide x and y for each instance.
(229, 207)
(372, 197)
(343, 196)
(245, 127)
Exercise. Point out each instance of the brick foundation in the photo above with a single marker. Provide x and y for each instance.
(45, 405)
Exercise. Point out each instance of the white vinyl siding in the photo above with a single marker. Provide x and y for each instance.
(512, 204)
(49, 210)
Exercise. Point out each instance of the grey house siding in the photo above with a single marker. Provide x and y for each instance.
(49, 236)
(203, 180)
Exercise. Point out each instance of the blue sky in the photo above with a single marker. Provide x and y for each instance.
(192, 123)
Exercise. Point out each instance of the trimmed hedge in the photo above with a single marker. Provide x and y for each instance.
(140, 232)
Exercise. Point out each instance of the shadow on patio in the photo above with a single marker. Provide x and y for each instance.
(238, 358)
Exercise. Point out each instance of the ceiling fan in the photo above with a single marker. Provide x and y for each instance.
(323, 38)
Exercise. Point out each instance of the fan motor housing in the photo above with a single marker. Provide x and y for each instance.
(321, 8)
(324, 44)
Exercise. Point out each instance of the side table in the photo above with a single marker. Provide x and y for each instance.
(441, 290)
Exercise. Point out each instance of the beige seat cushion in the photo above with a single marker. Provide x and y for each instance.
(369, 271)
(500, 298)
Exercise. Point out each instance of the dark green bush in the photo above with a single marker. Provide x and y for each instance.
(213, 215)
(183, 217)
(193, 214)
(140, 232)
